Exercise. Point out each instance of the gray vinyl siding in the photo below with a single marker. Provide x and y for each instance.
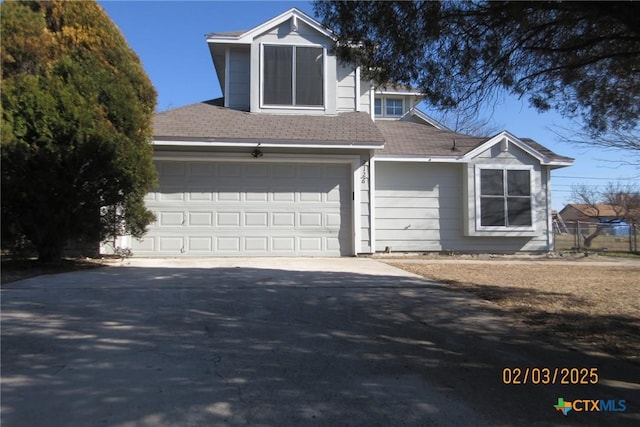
(365, 204)
(239, 66)
(419, 207)
(365, 96)
(346, 89)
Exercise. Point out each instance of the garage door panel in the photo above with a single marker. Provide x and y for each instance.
(169, 193)
(283, 244)
(284, 171)
(281, 196)
(200, 218)
(256, 171)
(171, 218)
(199, 193)
(256, 219)
(209, 208)
(283, 219)
(200, 169)
(172, 169)
(228, 244)
(313, 244)
(253, 244)
(200, 244)
(256, 195)
(228, 195)
(171, 244)
(228, 219)
(310, 219)
(229, 170)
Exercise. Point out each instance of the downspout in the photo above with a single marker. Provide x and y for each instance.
(550, 235)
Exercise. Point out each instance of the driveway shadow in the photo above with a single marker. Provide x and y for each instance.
(233, 346)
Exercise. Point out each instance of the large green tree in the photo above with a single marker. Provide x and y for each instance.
(581, 58)
(77, 111)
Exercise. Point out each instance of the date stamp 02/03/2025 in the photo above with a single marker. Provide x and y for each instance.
(545, 376)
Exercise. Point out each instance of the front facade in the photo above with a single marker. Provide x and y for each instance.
(302, 157)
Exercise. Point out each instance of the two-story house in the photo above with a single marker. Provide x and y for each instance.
(303, 157)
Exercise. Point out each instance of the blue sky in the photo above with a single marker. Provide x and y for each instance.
(168, 36)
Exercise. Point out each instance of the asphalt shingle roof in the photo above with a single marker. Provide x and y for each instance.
(404, 138)
(208, 121)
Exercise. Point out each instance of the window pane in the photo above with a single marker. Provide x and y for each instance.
(519, 209)
(518, 183)
(378, 107)
(278, 64)
(491, 182)
(309, 79)
(394, 107)
(492, 211)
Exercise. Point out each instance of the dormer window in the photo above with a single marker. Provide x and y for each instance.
(388, 107)
(394, 107)
(293, 76)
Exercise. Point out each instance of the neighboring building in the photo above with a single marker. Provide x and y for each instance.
(303, 157)
(595, 214)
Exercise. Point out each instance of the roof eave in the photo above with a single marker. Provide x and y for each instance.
(209, 142)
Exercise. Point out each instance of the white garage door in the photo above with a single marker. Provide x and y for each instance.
(253, 209)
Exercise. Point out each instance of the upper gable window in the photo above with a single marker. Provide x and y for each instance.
(388, 107)
(394, 107)
(293, 76)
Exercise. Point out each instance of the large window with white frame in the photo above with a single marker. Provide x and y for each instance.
(293, 76)
(504, 198)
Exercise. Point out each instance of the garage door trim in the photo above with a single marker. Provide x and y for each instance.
(353, 160)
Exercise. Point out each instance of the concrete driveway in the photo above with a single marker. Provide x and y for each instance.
(278, 342)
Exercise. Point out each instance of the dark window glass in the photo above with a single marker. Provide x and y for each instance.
(518, 183)
(278, 66)
(378, 107)
(293, 82)
(519, 209)
(491, 182)
(492, 211)
(309, 70)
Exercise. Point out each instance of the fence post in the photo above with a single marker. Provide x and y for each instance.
(578, 234)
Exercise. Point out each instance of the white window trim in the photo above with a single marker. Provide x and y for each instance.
(532, 190)
(294, 107)
(386, 114)
(383, 105)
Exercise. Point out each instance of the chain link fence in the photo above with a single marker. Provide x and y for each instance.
(613, 236)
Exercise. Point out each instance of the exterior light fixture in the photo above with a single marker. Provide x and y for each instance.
(256, 153)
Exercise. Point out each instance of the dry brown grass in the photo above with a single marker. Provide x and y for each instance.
(593, 305)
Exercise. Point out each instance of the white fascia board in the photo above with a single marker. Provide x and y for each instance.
(397, 92)
(433, 159)
(261, 145)
(555, 164)
(415, 111)
(248, 36)
(512, 139)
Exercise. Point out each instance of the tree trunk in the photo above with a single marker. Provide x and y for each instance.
(589, 239)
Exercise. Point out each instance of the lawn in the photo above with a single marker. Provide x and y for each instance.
(597, 306)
